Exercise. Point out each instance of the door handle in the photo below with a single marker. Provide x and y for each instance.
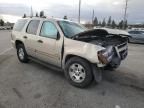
(40, 41)
(25, 37)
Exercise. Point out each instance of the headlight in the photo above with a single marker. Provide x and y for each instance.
(105, 56)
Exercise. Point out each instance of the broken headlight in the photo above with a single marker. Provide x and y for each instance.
(105, 56)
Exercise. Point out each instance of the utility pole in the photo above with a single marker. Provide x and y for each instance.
(92, 16)
(79, 11)
(31, 12)
(125, 14)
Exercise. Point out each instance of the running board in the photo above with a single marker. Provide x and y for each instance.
(50, 66)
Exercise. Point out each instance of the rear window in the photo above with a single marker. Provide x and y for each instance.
(20, 24)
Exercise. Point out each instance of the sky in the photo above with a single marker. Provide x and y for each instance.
(11, 10)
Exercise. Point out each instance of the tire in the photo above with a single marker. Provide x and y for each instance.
(112, 68)
(129, 40)
(23, 57)
(84, 72)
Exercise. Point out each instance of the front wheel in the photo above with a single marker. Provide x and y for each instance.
(78, 72)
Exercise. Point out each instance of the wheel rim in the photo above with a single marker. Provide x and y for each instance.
(77, 73)
(21, 53)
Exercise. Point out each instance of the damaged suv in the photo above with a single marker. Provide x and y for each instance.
(69, 46)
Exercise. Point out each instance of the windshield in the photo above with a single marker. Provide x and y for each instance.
(70, 28)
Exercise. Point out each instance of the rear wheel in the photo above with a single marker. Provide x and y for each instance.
(21, 53)
(78, 72)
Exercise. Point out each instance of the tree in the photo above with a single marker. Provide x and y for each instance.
(99, 24)
(109, 21)
(37, 15)
(65, 17)
(41, 13)
(1, 22)
(103, 23)
(95, 21)
(24, 16)
(113, 25)
(120, 24)
(88, 25)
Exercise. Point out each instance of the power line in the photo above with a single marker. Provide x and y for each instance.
(93, 14)
(125, 13)
(79, 11)
(31, 12)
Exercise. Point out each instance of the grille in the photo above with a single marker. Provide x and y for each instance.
(122, 50)
(121, 45)
(123, 54)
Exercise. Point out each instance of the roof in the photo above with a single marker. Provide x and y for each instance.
(49, 18)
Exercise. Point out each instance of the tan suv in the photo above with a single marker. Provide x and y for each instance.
(80, 52)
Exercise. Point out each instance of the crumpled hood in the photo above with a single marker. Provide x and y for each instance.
(103, 32)
(116, 31)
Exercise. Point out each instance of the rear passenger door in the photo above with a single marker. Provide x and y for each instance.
(30, 37)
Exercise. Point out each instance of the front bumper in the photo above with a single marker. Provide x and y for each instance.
(121, 54)
(122, 50)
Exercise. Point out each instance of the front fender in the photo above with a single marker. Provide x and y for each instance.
(82, 49)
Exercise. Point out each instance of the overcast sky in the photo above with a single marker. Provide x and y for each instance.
(59, 8)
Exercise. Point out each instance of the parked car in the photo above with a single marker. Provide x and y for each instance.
(69, 46)
(136, 36)
(2, 27)
(5, 27)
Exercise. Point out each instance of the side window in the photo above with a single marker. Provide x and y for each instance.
(49, 30)
(20, 24)
(32, 27)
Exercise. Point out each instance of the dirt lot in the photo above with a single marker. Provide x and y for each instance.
(35, 86)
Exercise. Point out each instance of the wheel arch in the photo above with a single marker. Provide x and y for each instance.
(72, 55)
(96, 72)
(17, 42)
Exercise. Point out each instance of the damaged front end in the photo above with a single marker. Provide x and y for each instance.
(116, 45)
(113, 55)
